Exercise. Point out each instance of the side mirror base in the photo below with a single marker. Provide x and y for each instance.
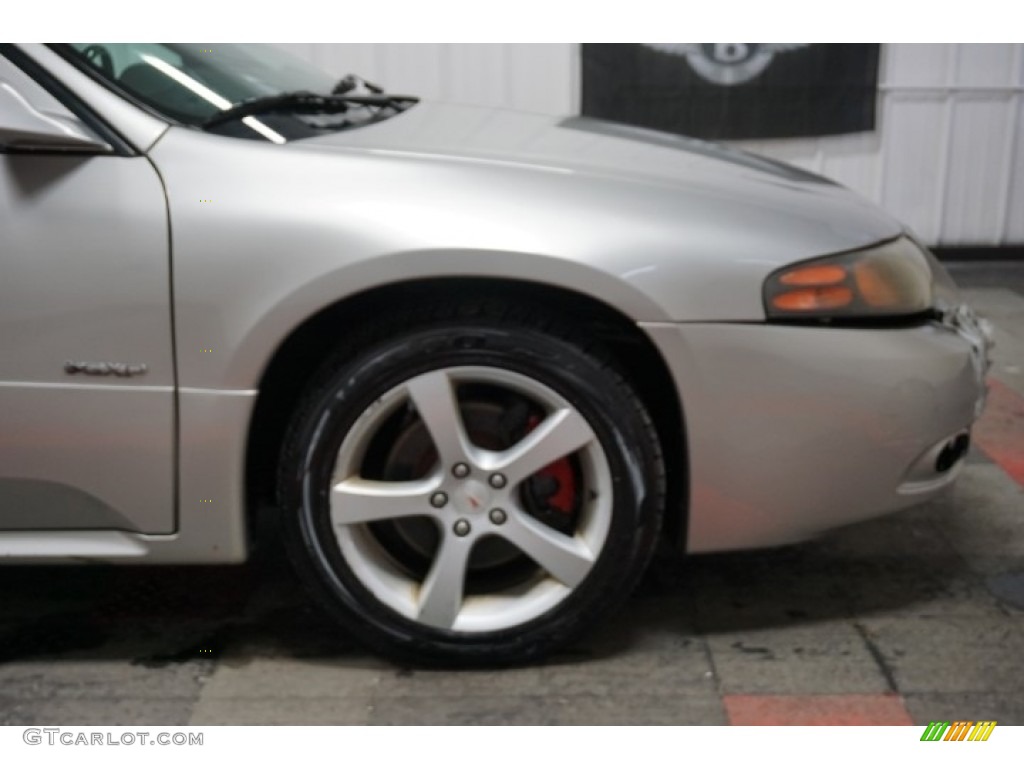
(25, 129)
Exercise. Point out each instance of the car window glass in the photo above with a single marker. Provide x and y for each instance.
(192, 82)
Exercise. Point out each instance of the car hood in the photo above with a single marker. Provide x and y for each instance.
(821, 216)
(660, 227)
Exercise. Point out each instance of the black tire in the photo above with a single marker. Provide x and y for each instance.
(515, 340)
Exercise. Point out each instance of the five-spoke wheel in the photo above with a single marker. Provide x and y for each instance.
(473, 493)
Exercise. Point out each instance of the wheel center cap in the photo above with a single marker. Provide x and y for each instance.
(472, 497)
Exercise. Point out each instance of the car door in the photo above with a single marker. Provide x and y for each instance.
(86, 357)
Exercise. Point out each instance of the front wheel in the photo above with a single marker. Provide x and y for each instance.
(471, 494)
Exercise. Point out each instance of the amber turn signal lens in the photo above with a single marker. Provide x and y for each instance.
(810, 299)
(817, 274)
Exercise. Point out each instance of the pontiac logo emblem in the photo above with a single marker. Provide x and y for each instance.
(727, 63)
(105, 369)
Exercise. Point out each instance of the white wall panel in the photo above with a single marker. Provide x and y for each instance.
(854, 161)
(1013, 231)
(947, 156)
(980, 66)
(915, 65)
(975, 187)
(417, 68)
(543, 78)
(480, 74)
(913, 163)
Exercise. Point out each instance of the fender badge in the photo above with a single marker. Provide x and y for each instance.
(105, 369)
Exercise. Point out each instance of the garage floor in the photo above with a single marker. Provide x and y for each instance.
(912, 618)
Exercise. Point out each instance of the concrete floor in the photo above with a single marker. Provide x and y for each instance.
(912, 618)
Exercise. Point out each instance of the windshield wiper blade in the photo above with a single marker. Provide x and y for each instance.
(306, 101)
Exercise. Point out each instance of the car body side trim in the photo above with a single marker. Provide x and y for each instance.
(83, 385)
(219, 392)
(64, 546)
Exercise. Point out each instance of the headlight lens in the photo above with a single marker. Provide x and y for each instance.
(890, 280)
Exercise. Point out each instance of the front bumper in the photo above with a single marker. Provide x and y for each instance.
(794, 430)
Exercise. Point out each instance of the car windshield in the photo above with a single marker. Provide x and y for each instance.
(195, 84)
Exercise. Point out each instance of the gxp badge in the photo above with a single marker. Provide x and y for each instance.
(727, 63)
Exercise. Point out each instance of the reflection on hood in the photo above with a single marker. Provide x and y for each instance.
(693, 146)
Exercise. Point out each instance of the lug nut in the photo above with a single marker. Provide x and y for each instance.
(498, 516)
(497, 480)
(461, 527)
(439, 499)
(460, 470)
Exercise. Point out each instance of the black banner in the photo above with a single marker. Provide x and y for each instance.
(733, 90)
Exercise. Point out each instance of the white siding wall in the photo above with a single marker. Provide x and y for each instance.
(947, 156)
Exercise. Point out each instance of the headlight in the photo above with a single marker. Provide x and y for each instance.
(890, 280)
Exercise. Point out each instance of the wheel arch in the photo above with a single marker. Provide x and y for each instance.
(308, 344)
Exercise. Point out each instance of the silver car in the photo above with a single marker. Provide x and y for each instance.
(480, 362)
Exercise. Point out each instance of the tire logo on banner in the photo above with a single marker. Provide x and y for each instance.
(727, 63)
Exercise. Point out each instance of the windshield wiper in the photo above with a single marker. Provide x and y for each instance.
(350, 82)
(307, 101)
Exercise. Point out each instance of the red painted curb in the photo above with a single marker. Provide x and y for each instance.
(854, 709)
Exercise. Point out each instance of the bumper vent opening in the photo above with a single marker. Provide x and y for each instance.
(952, 452)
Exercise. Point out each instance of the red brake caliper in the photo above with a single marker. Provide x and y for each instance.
(563, 499)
